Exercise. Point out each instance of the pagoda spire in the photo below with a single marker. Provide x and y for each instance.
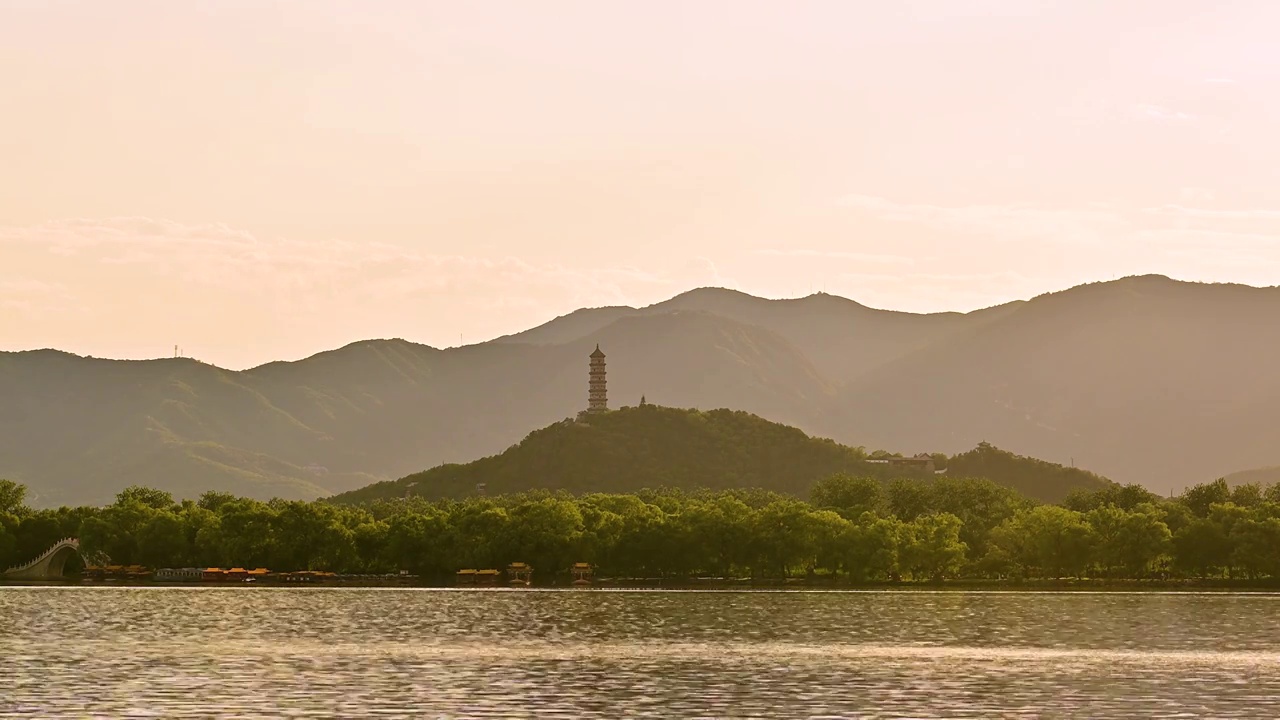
(597, 397)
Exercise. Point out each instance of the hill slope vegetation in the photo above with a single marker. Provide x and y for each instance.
(649, 447)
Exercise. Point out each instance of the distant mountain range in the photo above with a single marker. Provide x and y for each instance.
(1143, 379)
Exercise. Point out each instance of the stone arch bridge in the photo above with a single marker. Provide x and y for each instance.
(48, 566)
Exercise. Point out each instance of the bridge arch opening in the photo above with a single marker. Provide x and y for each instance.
(58, 560)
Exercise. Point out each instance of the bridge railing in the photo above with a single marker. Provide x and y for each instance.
(64, 542)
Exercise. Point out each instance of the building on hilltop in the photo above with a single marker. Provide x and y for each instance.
(921, 461)
(597, 398)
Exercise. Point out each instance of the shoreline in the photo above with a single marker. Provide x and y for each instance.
(1057, 586)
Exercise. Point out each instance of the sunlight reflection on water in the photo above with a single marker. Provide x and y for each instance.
(156, 652)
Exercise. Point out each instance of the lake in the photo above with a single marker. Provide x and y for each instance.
(408, 653)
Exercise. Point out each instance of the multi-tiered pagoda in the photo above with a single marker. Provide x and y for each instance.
(597, 400)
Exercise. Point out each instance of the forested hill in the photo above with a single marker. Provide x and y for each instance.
(650, 447)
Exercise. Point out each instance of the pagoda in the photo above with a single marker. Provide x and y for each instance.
(597, 400)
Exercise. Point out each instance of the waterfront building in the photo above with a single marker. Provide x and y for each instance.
(581, 573)
(179, 574)
(597, 397)
(519, 574)
(487, 577)
(466, 577)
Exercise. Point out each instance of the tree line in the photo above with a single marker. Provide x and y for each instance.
(851, 529)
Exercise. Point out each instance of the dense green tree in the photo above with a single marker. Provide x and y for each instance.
(1200, 498)
(854, 530)
(718, 532)
(12, 497)
(162, 541)
(871, 547)
(931, 546)
(419, 542)
(783, 538)
(214, 500)
(1247, 495)
(306, 534)
(1132, 542)
(371, 539)
(1175, 515)
(828, 530)
(909, 498)
(980, 504)
(1256, 548)
(544, 533)
(1125, 497)
(848, 495)
(8, 540)
(37, 532)
(1046, 541)
(150, 497)
(477, 531)
(248, 531)
(1202, 548)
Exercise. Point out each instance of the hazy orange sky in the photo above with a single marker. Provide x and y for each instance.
(259, 180)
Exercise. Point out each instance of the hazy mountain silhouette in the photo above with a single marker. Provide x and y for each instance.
(842, 338)
(79, 429)
(1265, 476)
(1144, 380)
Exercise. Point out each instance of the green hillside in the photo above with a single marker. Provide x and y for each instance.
(1030, 476)
(650, 446)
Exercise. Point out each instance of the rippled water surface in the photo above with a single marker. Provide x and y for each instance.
(351, 653)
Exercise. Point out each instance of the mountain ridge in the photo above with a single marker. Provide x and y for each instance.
(1144, 379)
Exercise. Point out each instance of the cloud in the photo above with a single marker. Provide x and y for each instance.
(1095, 224)
(1180, 240)
(166, 271)
(946, 291)
(244, 298)
(218, 256)
(704, 272)
(31, 296)
(1183, 211)
(1017, 222)
(1199, 195)
(1158, 113)
(871, 258)
(29, 286)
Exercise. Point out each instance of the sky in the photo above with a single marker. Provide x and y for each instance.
(265, 180)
